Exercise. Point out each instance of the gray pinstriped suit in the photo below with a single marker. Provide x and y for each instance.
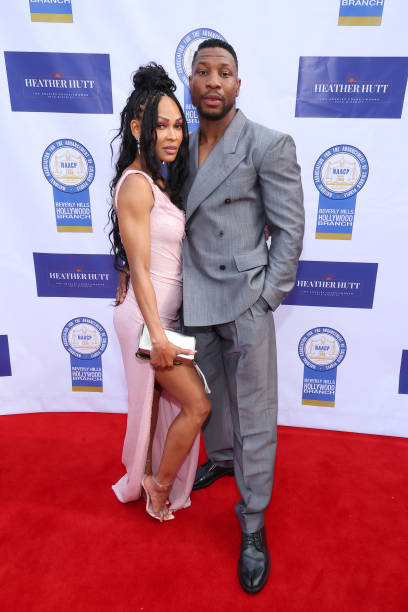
(250, 178)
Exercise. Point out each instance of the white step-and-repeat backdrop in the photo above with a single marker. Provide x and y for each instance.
(330, 72)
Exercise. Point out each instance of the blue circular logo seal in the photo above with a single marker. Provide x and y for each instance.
(322, 348)
(84, 338)
(68, 165)
(340, 172)
(186, 49)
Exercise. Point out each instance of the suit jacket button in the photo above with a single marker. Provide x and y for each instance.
(221, 233)
(222, 267)
(228, 201)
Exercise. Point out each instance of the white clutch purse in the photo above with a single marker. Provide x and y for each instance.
(185, 342)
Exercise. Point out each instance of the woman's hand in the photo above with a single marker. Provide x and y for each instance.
(164, 353)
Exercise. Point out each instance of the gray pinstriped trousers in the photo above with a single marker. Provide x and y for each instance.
(239, 362)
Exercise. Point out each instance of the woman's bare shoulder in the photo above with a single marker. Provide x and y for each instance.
(135, 191)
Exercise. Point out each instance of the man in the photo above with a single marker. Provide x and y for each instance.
(242, 176)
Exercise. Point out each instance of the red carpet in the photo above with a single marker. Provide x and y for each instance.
(337, 526)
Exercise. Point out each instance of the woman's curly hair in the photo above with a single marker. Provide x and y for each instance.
(150, 84)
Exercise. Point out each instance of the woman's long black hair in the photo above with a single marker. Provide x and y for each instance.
(151, 83)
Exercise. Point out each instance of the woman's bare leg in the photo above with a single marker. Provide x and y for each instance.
(153, 425)
(184, 384)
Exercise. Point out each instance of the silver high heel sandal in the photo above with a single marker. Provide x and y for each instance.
(165, 513)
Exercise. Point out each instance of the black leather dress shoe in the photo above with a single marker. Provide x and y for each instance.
(254, 563)
(209, 473)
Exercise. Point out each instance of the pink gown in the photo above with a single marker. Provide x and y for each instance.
(167, 232)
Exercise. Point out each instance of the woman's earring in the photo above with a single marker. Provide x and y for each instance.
(164, 170)
(138, 145)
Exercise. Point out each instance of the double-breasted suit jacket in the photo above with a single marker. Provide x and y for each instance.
(250, 178)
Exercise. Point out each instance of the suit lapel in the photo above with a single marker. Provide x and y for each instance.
(193, 163)
(219, 164)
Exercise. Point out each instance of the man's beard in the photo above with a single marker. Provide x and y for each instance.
(215, 117)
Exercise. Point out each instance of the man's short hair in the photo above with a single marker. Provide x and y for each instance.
(212, 43)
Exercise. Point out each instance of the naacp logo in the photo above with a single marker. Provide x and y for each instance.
(322, 348)
(84, 338)
(68, 166)
(340, 172)
(187, 47)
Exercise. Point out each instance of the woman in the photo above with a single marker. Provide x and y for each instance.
(167, 403)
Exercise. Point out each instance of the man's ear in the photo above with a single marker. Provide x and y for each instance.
(190, 78)
(238, 87)
(135, 128)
